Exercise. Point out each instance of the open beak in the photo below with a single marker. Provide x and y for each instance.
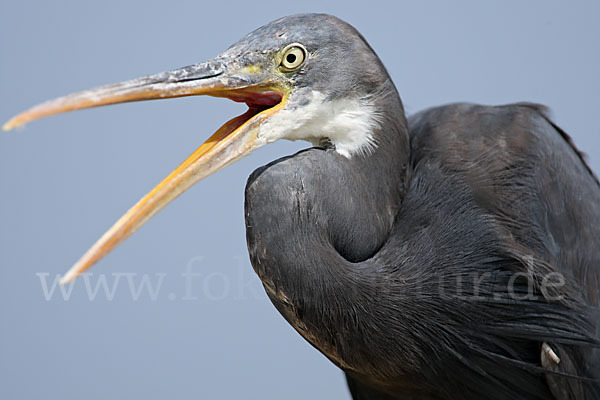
(232, 141)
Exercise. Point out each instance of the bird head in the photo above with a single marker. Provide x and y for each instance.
(305, 77)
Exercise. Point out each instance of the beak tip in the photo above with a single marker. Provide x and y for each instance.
(7, 126)
(11, 124)
(68, 277)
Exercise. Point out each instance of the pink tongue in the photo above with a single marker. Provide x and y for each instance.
(258, 98)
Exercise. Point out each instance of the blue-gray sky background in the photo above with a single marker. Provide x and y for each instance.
(66, 179)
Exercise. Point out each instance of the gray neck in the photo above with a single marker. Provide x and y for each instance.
(313, 217)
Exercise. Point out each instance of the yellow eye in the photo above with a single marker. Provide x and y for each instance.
(293, 56)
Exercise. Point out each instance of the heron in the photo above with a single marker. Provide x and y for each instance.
(454, 254)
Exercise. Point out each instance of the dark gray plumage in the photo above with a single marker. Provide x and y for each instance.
(409, 268)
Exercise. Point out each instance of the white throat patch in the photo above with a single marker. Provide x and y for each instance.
(347, 123)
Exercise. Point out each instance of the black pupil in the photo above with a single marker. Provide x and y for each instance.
(291, 58)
